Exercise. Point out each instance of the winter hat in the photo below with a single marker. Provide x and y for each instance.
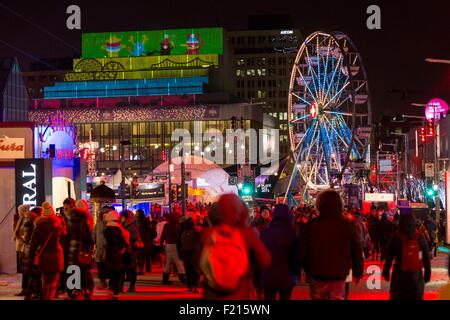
(82, 205)
(23, 208)
(111, 216)
(48, 209)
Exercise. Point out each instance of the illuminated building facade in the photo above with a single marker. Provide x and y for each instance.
(131, 86)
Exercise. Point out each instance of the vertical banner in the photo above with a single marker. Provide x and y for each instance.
(33, 181)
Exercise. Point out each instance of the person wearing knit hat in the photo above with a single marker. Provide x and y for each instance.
(47, 209)
(22, 210)
(82, 204)
(116, 245)
(80, 242)
(46, 249)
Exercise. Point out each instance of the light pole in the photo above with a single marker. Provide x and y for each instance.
(432, 60)
(437, 205)
(122, 166)
(405, 155)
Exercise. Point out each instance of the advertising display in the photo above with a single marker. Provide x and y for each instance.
(16, 142)
(152, 43)
(12, 148)
(33, 181)
(379, 197)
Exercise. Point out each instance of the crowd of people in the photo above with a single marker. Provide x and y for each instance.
(223, 248)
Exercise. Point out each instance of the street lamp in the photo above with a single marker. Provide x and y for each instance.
(122, 167)
(432, 60)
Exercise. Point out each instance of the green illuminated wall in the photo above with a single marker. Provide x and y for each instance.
(142, 67)
(152, 43)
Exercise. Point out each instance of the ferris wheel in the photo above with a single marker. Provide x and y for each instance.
(329, 112)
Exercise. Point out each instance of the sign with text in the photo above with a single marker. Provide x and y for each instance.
(379, 197)
(429, 169)
(33, 181)
(12, 148)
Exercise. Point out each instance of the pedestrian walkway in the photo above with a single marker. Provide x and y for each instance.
(149, 286)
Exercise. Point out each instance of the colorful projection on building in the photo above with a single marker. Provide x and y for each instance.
(153, 43)
(142, 67)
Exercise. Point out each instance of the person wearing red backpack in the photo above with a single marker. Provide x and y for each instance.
(231, 252)
(412, 268)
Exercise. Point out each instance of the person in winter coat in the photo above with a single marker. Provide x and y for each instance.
(281, 240)
(147, 234)
(431, 229)
(189, 251)
(373, 225)
(45, 243)
(169, 236)
(100, 247)
(79, 237)
(385, 232)
(117, 243)
(231, 211)
(22, 210)
(407, 284)
(63, 215)
(33, 288)
(129, 224)
(329, 248)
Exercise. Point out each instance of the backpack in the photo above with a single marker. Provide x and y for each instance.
(411, 259)
(224, 259)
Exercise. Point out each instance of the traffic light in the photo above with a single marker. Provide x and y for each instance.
(422, 134)
(246, 189)
(179, 192)
(233, 123)
(430, 127)
(164, 155)
(173, 194)
(431, 191)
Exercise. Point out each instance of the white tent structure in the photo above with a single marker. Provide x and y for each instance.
(205, 175)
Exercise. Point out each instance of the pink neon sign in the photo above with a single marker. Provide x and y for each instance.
(435, 108)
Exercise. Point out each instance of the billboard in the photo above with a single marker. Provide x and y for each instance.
(152, 43)
(33, 181)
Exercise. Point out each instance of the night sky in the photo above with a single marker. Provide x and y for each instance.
(394, 56)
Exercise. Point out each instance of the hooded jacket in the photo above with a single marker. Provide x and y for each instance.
(330, 246)
(230, 210)
(116, 241)
(281, 240)
(79, 234)
(170, 231)
(48, 229)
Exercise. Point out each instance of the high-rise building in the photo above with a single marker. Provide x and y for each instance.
(257, 68)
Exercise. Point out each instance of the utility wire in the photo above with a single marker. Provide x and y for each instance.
(39, 27)
(27, 54)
